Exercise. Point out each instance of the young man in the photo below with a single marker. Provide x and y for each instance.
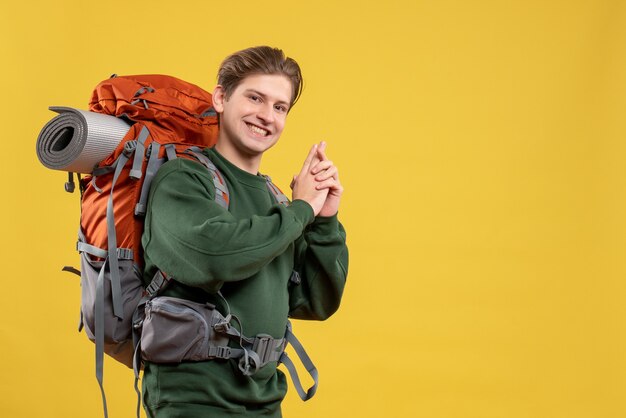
(248, 253)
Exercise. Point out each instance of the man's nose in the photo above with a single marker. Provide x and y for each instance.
(266, 113)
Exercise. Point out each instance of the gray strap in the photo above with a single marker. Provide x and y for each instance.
(140, 150)
(82, 246)
(201, 157)
(222, 195)
(136, 368)
(170, 151)
(138, 317)
(224, 352)
(306, 362)
(116, 287)
(276, 192)
(95, 186)
(99, 333)
(153, 165)
(122, 253)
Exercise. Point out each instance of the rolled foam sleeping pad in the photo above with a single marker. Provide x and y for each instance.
(76, 140)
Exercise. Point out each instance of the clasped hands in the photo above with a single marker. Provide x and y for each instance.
(318, 182)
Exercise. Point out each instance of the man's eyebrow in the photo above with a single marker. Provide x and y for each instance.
(264, 96)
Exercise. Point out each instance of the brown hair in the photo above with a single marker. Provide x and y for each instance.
(259, 60)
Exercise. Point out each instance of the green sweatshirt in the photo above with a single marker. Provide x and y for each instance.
(248, 253)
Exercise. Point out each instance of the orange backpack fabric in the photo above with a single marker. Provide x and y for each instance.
(178, 111)
(175, 112)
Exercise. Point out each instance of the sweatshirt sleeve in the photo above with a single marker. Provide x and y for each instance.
(322, 263)
(199, 243)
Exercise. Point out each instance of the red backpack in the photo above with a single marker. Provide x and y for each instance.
(176, 113)
(170, 118)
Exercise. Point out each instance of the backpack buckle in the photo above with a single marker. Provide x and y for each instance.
(266, 348)
(220, 351)
(222, 326)
(129, 148)
(158, 282)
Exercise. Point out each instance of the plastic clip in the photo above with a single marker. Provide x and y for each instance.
(222, 352)
(129, 148)
(223, 326)
(263, 347)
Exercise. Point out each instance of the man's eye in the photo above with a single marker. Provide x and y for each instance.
(255, 98)
(280, 108)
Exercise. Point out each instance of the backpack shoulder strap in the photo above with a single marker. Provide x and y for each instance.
(276, 192)
(222, 195)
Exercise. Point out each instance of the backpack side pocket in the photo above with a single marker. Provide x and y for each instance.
(176, 330)
(118, 340)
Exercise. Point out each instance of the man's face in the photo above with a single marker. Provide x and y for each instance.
(253, 117)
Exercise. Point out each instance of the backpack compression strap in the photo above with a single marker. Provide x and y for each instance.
(154, 163)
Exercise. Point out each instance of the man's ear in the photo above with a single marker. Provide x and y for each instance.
(219, 96)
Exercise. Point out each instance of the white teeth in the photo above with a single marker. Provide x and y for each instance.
(258, 130)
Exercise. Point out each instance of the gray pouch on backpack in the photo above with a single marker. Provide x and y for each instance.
(176, 330)
(118, 339)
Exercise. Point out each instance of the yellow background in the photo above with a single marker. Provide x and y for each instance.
(481, 145)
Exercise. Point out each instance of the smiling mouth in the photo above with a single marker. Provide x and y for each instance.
(257, 130)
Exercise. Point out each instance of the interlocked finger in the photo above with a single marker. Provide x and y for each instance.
(330, 172)
(331, 184)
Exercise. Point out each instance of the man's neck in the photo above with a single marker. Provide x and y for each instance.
(250, 164)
